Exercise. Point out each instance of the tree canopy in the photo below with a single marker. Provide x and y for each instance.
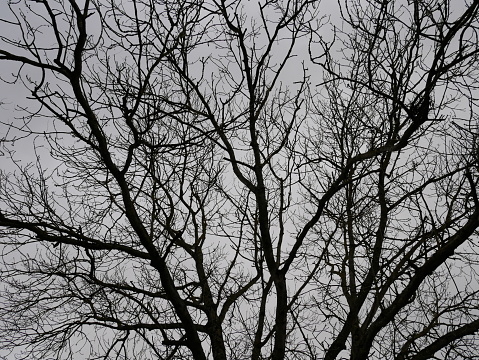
(272, 179)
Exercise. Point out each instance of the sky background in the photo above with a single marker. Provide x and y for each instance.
(13, 97)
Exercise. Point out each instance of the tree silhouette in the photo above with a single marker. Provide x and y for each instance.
(240, 180)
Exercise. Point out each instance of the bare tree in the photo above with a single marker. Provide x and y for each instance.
(239, 180)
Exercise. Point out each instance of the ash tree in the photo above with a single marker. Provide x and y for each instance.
(239, 179)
